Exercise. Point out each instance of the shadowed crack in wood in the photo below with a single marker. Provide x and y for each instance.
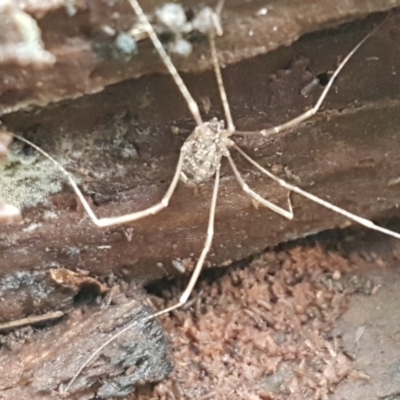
(23, 293)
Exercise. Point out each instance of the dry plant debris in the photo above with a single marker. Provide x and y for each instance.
(264, 332)
(76, 280)
(34, 319)
(46, 356)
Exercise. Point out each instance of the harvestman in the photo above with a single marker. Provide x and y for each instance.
(200, 160)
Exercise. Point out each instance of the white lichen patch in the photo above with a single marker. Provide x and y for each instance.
(95, 163)
(32, 227)
(28, 180)
(50, 215)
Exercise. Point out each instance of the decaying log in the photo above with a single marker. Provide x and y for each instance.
(61, 49)
(39, 365)
(122, 146)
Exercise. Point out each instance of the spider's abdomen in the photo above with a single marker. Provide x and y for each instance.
(202, 152)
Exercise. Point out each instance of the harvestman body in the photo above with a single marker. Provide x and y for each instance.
(200, 160)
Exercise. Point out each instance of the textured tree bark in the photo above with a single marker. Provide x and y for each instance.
(122, 146)
(55, 50)
(40, 365)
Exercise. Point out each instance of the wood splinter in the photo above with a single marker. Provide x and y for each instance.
(31, 320)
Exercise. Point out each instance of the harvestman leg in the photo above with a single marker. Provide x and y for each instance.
(287, 214)
(231, 130)
(192, 103)
(312, 111)
(362, 221)
(210, 229)
(295, 121)
(193, 106)
(103, 222)
(290, 124)
(185, 295)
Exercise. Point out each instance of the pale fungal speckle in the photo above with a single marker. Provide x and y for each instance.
(359, 333)
(175, 130)
(336, 275)
(181, 47)
(32, 227)
(262, 12)
(28, 186)
(125, 47)
(108, 30)
(307, 89)
(204, 21)
(394, 182)
(171, 17)
(179, 265)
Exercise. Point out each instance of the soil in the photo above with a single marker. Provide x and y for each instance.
(311, 319)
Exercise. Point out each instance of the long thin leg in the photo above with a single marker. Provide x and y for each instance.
(194, 108)
(221, 88)
(315, 199)
(102, 222)
(185, 295)
(309, 113)
(257, 197)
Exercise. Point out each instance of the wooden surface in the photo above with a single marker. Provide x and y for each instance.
(122, 145)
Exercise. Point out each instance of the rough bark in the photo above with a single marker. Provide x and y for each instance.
(122, 145)
(44, 362)
(61, 49)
